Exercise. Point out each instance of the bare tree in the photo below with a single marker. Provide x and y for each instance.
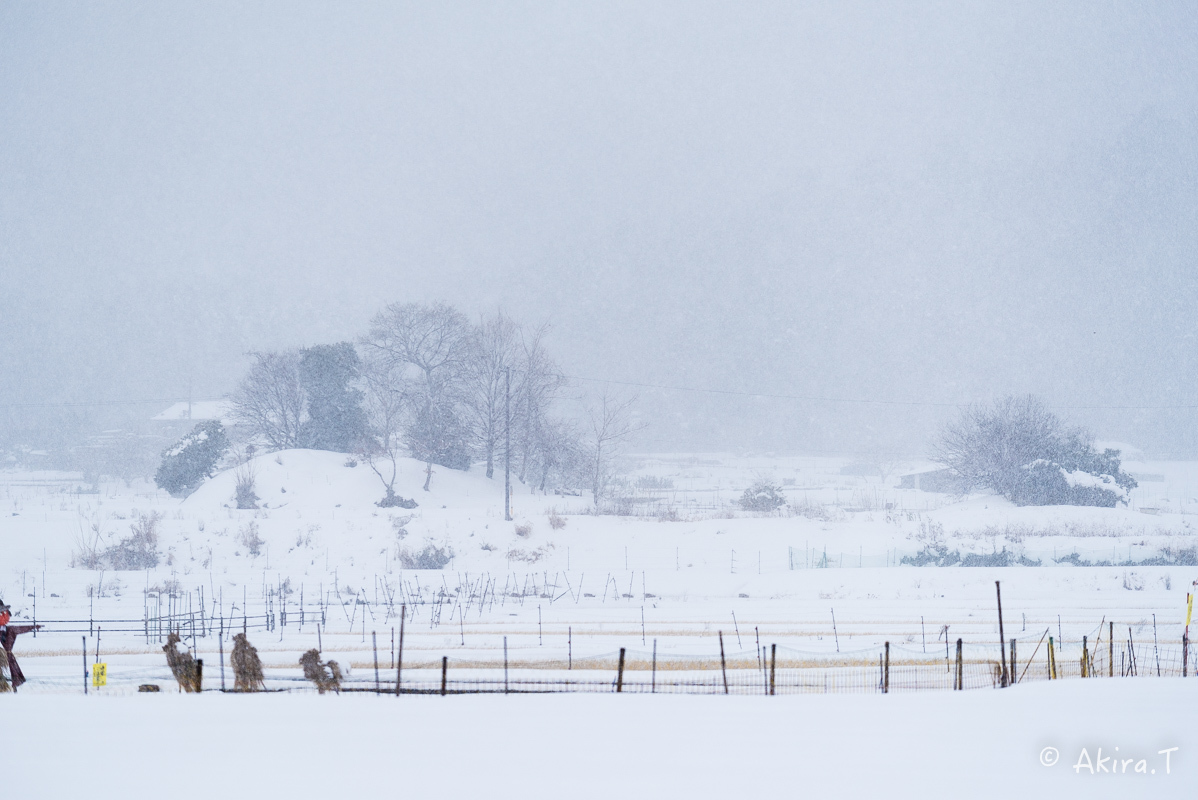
(270, 400)
(541, 381)
(988, 445)
(431, 344)
(559, 454)
(495, 353)
(388, 403)
(611, 425)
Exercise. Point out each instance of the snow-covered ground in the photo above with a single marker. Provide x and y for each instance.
(565, 590)
(689, 565)
(988, 744)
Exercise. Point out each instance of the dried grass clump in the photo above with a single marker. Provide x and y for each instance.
(182, 665)
(246, 481)
(326, 676)
(247, 667)
(431, 557)
(249, 538)
(523, 529)
(556, 521)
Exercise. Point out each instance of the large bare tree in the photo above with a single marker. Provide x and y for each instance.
(428, 346)
(270, 400)
(611, 425)
(541, 382)
(496, 353)
(388, 404)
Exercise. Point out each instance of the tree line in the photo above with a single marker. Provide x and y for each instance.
(425, 381)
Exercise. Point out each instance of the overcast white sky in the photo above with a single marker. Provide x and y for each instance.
(937, 203)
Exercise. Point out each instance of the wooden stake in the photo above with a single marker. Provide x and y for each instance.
(505, 665)
(85, 675)
(374, 641)
(403, 616)
(886, 672)
(773, 662)
(1085, 657)
(620, 673)
(444, 672)
(1002, 645)
(653, 688)
(723, 664)
(1111, 651)
(1014, 678)
(960, 668)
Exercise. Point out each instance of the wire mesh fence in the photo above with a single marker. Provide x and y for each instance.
(771, 670)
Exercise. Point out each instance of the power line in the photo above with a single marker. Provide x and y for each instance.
(89, 403)
(862, 401)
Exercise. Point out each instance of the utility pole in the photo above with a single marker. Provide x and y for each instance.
(507, 445)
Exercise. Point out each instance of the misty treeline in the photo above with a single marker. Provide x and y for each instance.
(1018, 448)
(429, 383)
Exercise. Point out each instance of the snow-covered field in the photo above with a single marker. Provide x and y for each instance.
(565, 589)
(986, 744)
(689, 566)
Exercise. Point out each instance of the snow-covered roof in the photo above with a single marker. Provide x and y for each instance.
(200, 410)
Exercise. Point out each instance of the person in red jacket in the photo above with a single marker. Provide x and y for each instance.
(8, 637)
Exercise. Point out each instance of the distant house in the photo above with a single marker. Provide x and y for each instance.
(184, 411)
(935, 480)
(180, 418)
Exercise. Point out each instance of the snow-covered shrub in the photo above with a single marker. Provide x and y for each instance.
(244, 494)
(938, 555)
(556, 521)
(138, 550)
(400, 526)
(187, 462)
(762, 496)
(249, 538)
(523, 529)
(654, 482)
(1019, 449)
(393, 500)
(431, 557)
(528, 556)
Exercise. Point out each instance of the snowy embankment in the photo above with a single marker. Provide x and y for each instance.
(980, 744)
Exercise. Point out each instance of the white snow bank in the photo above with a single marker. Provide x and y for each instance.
(976, 744)
(319, 479)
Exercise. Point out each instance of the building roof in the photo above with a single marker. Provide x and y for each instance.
(221, 410)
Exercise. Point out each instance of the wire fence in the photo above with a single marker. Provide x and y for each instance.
(775, 670)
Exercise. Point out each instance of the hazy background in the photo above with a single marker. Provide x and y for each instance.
(931, 205)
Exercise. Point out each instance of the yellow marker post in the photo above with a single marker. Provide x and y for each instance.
(99, 675)
(1189, 610)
